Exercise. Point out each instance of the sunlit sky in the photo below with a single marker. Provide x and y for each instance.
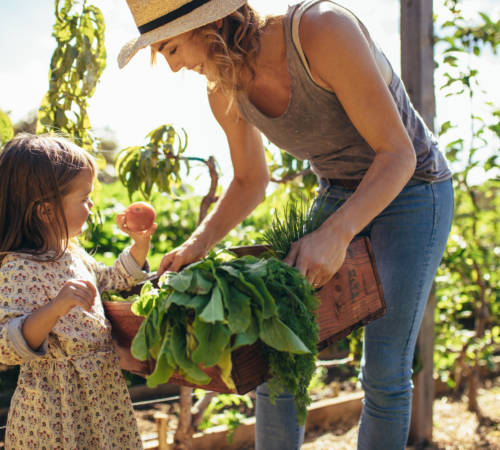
(138, 98)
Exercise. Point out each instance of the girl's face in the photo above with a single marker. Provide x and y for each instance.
(77, 203)
(187, 50)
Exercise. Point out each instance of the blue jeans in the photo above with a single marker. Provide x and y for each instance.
(408, 239)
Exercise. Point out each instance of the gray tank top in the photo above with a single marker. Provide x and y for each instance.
(315, 126)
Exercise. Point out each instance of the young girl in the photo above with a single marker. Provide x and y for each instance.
(70, 392)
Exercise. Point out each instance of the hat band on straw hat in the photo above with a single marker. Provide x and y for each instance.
(158, 20)
(171, 16)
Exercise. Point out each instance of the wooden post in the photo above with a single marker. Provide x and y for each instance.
(417, 56)
(161, 429)
(417, 68)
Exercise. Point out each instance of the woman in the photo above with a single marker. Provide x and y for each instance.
(313, 81)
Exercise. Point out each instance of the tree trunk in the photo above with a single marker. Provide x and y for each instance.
(184, 433)
(423, 382)
(417, 67)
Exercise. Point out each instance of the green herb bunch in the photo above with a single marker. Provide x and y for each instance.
(295, 299)
(296, 220)
(199, 315)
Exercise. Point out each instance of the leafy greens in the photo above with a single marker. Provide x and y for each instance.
(198, 316)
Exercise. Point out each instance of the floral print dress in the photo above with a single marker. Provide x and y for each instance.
(70, 392)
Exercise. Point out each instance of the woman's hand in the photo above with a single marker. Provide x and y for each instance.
(142, 239)
(187, 253)
(318, 255)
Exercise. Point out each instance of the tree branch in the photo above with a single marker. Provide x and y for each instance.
(210, 197)
(292, 176)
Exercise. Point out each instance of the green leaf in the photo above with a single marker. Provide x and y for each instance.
(198, 302)
(214, 311)
(248, 337)
(139, 347)
(212, 340)
(226, 365)
(239, 314)
(6, 128)
(277, 335)
(145, 303)
(199, 284)
(268, 304)
(256, 269)
(163, 369)
(180, 281)
(191, 372)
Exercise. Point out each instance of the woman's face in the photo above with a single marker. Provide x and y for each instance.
(187, 50)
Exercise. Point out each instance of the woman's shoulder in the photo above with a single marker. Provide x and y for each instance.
(334, 42)
(324, 18)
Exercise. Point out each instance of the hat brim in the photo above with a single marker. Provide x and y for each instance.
(205, 14)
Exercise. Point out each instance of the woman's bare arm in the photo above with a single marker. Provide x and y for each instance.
(340, 57)
(245, 192)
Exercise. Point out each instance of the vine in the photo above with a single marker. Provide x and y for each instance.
(75, 68)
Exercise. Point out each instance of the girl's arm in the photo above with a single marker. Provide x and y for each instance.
(246, 190)
(129, 268)
(26, 314)
(141, 239)
(39, 324)
(341, 60)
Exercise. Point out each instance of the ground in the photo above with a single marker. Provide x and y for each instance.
(455, 428)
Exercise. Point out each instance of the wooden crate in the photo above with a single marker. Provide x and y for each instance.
(352, 298)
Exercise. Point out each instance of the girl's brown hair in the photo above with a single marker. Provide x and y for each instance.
(36, 172)
(232, 50)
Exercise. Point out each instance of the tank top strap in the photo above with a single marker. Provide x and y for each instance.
(295, 19)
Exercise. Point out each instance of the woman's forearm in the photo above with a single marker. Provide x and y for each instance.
(384, 180)
(239, 200)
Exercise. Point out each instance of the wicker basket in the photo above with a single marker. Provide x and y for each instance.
(352, 298)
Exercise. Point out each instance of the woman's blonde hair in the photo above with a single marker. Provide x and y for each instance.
(37, 171)
(232, 50)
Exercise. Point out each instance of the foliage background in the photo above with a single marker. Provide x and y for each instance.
(467, 286)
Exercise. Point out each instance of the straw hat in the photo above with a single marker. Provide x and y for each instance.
(158, 20)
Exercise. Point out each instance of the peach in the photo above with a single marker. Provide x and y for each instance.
(139, 216)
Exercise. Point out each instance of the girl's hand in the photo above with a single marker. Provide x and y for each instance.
(141, 237)
(74, 293)
(187, 253)
(318, 255)
(39, 323)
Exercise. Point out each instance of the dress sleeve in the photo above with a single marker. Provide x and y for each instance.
(20, 294)
(124, 273)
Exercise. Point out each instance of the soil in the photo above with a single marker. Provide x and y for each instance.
(455, 428)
